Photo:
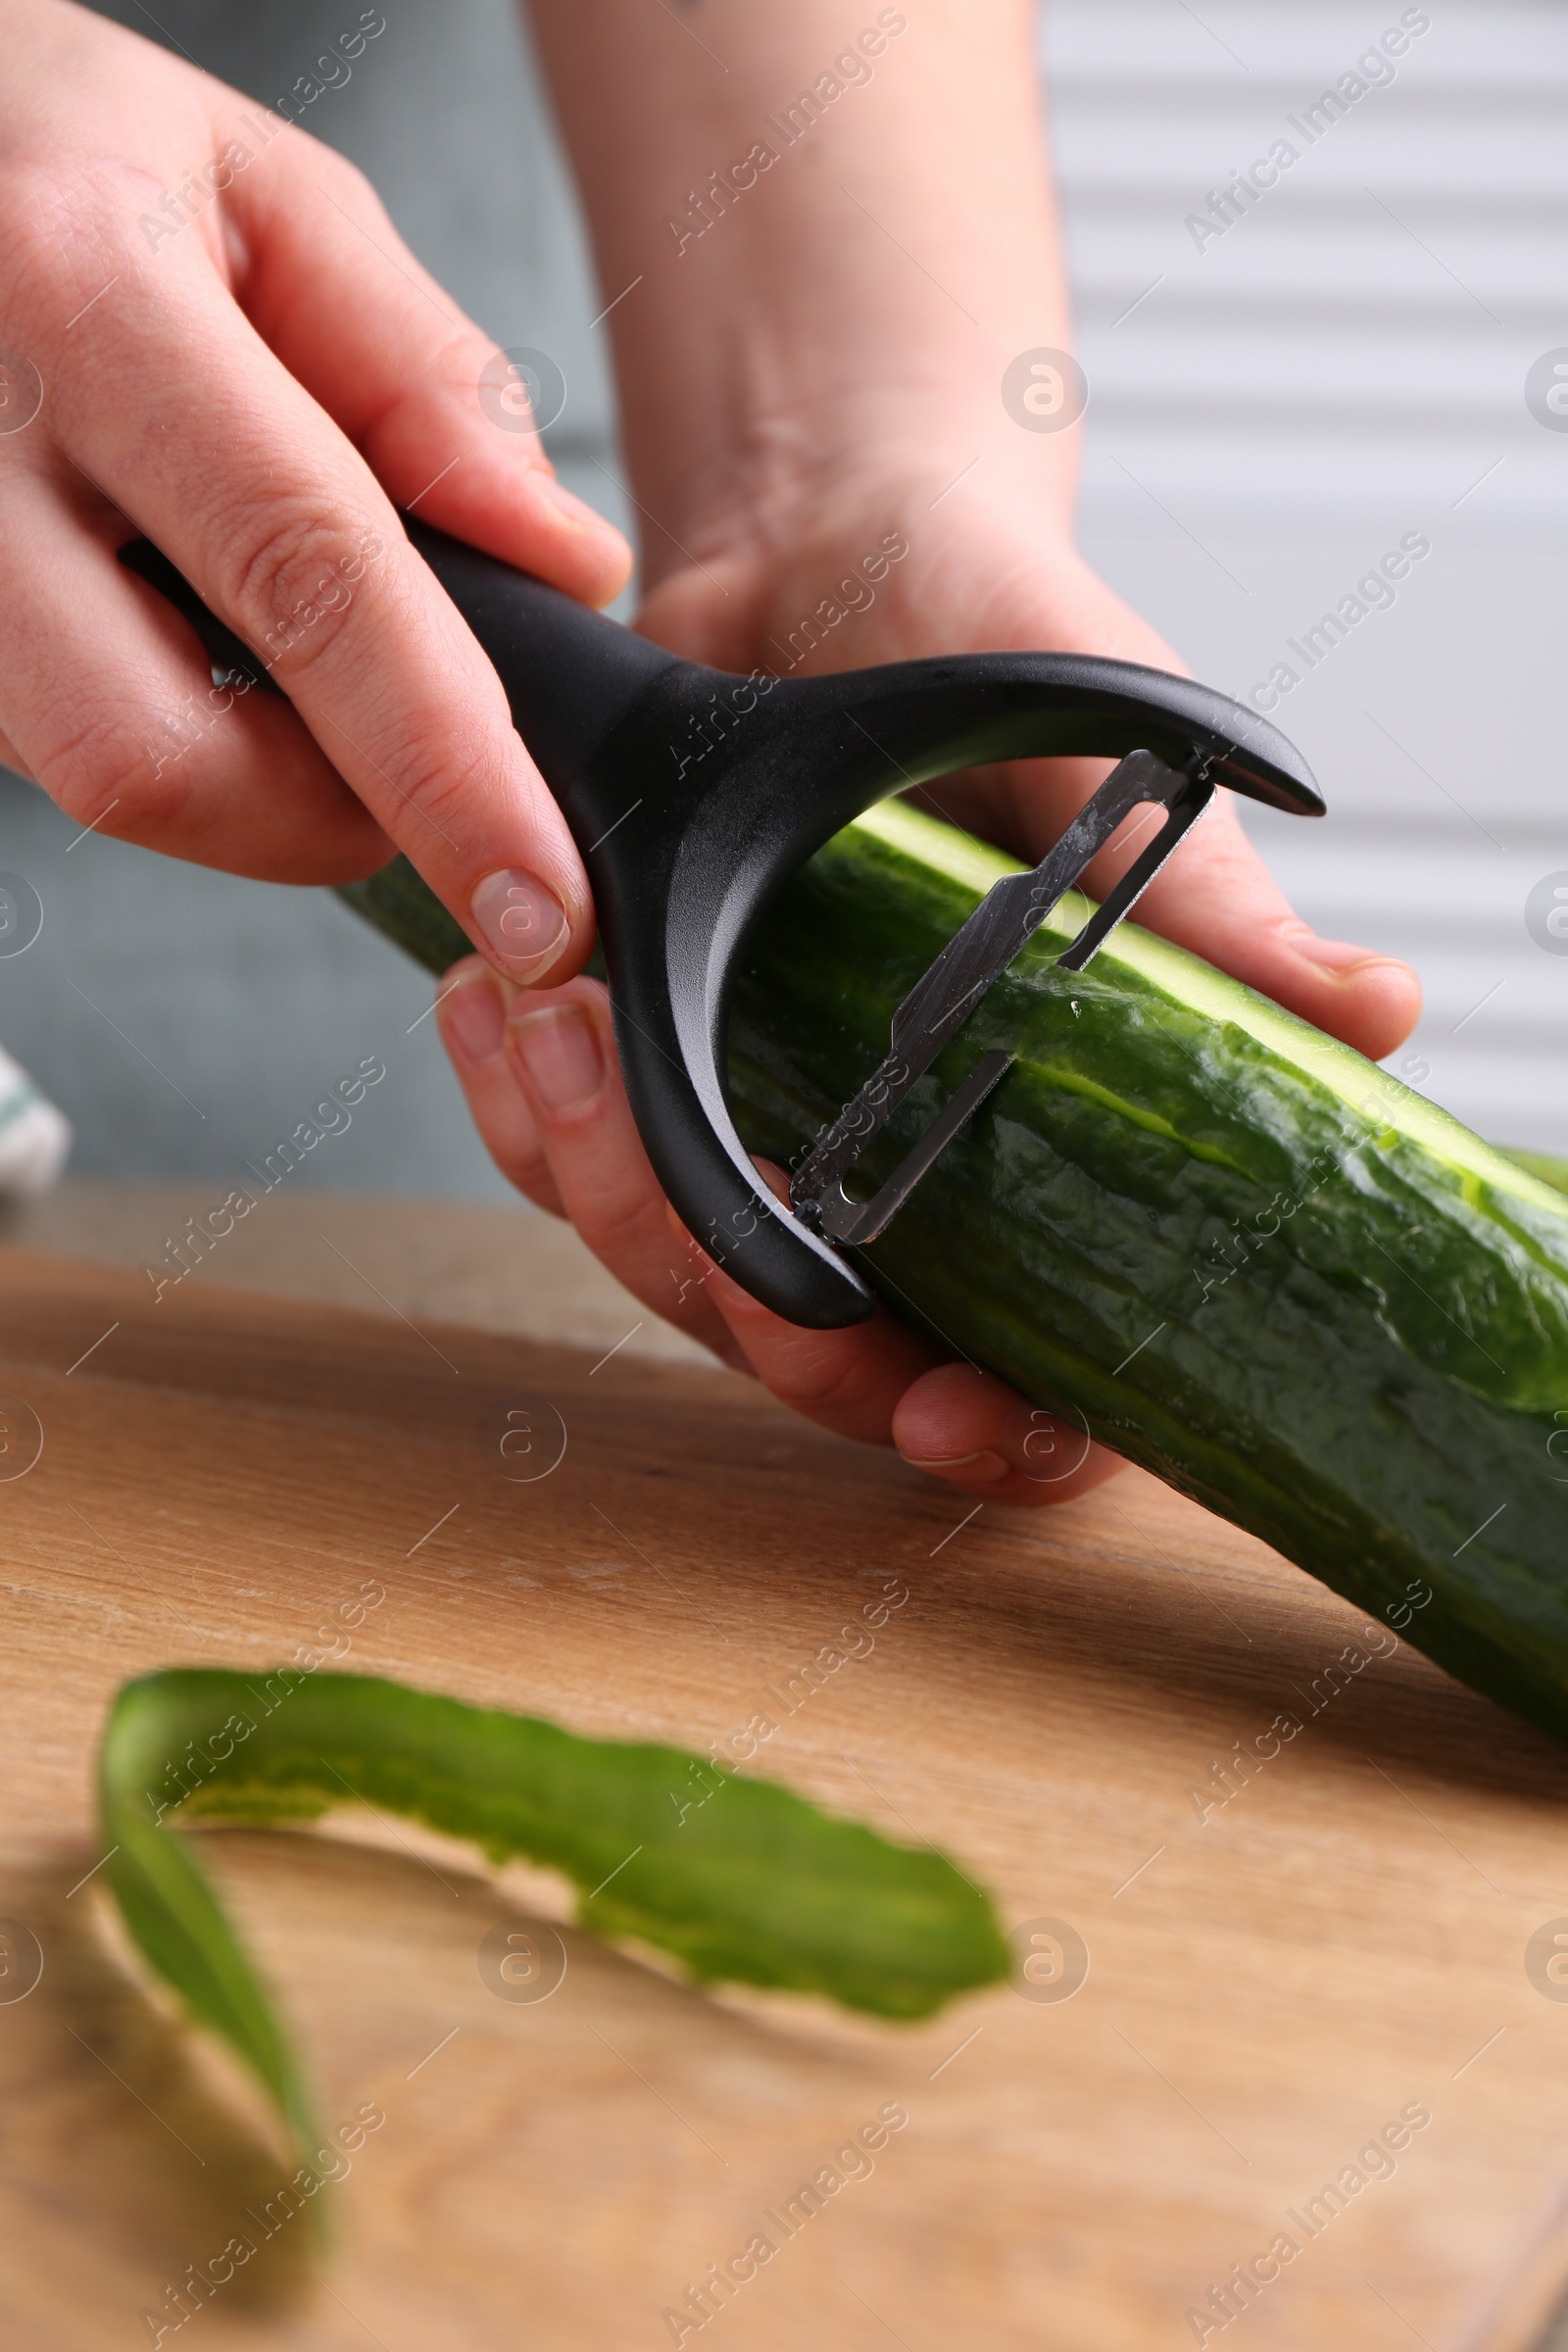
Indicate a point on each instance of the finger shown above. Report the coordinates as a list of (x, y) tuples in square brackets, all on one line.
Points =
[(970, 1428), (886, 1384), (414, 384), (1216, 895), (847, 1381), (561, 1047), (560, 1056), (471, 1011), (86, 644), (296, 545), (858, 1382), (1217, 898), (1213, 897), (850, 1380)]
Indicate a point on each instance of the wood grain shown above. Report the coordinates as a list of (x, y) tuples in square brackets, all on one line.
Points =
[(1267, 1988)]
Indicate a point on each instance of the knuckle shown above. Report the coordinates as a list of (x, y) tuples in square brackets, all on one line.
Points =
[(345, 180), (525, 1164), (293, 579), (116, 773), (54, 232), (449, 787), (817, 1377), (460, 359), (617, 1209), (48, 212)]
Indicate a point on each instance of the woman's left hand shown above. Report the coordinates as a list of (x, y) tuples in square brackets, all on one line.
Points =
[(538, 1065)]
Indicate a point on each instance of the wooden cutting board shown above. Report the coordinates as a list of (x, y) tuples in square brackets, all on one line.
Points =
[(1341, 1946)]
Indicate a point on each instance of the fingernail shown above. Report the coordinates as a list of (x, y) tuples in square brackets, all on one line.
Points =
[(575, 509), (559, 1055), (473, 1013), (523, 925), (979, 1469)]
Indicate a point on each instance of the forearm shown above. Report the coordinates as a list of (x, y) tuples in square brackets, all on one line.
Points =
[(813, 278)]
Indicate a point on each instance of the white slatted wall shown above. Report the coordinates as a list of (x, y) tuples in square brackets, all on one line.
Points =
[(1344, 364)]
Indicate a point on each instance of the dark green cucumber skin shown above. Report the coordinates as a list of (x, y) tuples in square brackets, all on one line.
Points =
[(1373, 1388), (401, 903)]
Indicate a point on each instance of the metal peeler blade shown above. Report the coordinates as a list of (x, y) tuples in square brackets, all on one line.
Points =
[(971, 963)]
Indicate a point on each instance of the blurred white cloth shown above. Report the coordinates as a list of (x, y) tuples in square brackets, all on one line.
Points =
[(35, 1138)]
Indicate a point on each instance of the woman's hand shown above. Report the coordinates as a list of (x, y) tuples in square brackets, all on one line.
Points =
[(866, 569), (829, 241), (538, 1065), (211, 333)]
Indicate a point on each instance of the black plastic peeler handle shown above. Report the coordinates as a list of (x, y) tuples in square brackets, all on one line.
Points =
[(693, 794)]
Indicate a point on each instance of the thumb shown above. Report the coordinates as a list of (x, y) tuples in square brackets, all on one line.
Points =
[(1218, 899)]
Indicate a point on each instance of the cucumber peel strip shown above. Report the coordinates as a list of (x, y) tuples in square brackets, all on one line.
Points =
[(739, 1878)]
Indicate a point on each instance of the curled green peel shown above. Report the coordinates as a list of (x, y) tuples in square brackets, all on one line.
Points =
[(739, 1878)]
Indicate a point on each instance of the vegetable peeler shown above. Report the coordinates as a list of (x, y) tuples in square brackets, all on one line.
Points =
[(695, 794)]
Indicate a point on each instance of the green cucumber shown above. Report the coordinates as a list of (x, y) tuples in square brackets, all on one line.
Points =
[(1540, 1163), (1243, 1255), (401, 903)]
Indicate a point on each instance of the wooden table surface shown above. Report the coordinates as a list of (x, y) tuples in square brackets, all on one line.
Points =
[(1341, 1944)]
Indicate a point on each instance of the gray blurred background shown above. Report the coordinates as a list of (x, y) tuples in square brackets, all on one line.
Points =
[(1268, 416)]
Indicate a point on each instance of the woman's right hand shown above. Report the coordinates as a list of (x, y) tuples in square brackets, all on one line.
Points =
[(210, 334)]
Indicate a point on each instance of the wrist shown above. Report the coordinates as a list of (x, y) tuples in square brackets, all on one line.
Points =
[(818, 262), (796, 352), (899, 442)]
